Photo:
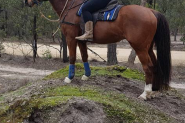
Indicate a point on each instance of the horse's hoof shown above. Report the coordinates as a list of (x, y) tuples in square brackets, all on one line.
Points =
[(85, 78), (142, 97), (155, 94), (67, 80)]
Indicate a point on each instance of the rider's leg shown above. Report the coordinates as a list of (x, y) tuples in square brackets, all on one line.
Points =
[(90, 7)]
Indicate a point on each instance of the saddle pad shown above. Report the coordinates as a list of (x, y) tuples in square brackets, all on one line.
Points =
[(110, 15)]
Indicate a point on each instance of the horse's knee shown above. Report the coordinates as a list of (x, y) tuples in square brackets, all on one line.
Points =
[(72, 59), (84, 57)]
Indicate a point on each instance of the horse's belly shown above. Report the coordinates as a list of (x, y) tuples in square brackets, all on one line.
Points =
[(107, 32)]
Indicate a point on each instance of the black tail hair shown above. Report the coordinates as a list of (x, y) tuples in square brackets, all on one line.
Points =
[(162, 42)]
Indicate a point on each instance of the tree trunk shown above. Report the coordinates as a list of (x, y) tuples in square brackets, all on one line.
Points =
[(132, 57), (183, 39), (0, 49), (34, 45), (65, 57), (6, 24), (143, 2), (111, 54), (175, 34), (154, 4)]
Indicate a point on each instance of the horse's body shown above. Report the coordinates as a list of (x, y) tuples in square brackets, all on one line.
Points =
[(142, 27)]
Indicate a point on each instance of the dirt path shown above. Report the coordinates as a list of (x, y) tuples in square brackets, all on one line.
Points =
[(122, 54), (13, 72), (14, 77)]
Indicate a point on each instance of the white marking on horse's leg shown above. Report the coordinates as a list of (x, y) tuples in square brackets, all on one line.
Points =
[(146, 94), (85, 78), (67, 80)]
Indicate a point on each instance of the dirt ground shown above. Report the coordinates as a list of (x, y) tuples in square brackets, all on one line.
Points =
[(17, 71)]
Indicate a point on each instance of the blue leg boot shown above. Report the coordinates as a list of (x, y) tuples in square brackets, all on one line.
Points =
[(71, 74), (87, 71)]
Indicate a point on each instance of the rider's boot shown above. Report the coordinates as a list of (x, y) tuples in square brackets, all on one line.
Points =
[(88, 35)]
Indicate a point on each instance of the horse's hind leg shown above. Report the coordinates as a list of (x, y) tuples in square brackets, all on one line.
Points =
[(148, 69), (154, 69), (84, 54)]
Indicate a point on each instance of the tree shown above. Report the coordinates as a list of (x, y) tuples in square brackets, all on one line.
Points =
[(34, 44), (111, 54)]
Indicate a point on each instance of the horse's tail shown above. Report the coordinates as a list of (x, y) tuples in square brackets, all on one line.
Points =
[(162, 42)]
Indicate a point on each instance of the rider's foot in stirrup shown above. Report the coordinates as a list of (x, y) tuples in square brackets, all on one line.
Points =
[(88, 35)]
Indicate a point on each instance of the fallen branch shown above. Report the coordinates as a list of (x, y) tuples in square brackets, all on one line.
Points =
[(96, 54)]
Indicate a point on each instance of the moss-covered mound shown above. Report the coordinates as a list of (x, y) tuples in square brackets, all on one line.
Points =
[(99, 71), (116, 106)]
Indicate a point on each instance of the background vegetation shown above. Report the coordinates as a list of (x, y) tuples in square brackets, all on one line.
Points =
[(16, 20)]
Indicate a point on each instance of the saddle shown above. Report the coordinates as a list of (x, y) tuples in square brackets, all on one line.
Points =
[(109, 13)]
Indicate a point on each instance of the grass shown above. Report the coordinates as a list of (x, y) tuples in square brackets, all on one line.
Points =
[(115, 105), (99, 71)]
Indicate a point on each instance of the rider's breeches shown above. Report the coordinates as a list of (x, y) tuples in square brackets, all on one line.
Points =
[(92, 6)]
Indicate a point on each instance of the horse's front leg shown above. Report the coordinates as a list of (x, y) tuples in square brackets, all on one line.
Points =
[(72, 44), (84, 54)]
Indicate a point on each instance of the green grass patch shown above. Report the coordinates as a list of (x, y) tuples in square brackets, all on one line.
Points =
[(99, 71), (115, 105), (1, 98)]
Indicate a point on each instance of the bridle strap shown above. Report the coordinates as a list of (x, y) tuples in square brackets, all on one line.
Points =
[(71, 7), (63, 20)]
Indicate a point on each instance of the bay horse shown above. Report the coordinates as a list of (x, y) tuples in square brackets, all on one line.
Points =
[(142, 27)]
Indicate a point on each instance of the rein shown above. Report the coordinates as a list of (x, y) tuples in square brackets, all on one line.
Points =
[(58, 20)]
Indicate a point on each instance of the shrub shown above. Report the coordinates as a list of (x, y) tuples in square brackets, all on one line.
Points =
[(47, 54)]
